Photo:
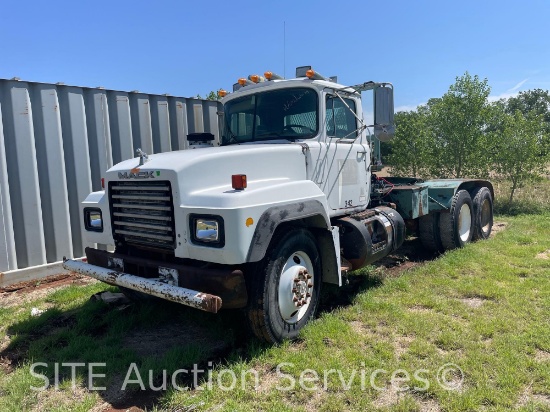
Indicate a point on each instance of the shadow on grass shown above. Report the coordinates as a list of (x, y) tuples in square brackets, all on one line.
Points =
[(410, 254), (155, 336)]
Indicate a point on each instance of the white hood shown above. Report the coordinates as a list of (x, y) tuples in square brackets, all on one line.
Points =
[(208, 170)]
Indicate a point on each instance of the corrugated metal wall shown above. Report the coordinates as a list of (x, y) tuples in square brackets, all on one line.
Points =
[(55, 143)]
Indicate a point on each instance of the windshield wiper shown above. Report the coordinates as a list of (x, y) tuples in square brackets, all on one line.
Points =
[(275, 135), (232, 138), (268, 134)]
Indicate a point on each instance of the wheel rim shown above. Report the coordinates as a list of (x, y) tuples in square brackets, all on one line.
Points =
[(464, 222), (486, 216), (295, 287)]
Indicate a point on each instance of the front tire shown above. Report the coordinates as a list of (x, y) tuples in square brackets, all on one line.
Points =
[(284, 294), (456, 226)]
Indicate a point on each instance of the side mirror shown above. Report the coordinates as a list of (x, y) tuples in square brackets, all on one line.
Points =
[(384, 127)]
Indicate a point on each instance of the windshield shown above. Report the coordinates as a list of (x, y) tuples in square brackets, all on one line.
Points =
[(279, 114)]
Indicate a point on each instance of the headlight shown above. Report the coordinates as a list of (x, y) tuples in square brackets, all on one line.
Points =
[(93, 220), (207, 230)]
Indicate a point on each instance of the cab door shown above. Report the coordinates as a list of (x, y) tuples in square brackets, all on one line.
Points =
[(342, 165)]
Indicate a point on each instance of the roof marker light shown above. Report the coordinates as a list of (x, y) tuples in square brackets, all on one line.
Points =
[(255, 78), (272, 76), (307, 71), (238, 182)]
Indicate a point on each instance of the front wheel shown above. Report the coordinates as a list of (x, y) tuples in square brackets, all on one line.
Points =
[(285, 292)]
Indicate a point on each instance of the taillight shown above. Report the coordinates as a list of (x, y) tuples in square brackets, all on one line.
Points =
[(238, 182)]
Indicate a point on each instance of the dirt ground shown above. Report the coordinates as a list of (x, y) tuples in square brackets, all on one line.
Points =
[(23, 292)]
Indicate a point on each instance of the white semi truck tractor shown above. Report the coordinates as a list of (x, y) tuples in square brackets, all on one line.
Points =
[(286, 202)]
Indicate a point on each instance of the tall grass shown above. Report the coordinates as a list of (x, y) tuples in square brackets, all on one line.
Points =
[(533, 197)]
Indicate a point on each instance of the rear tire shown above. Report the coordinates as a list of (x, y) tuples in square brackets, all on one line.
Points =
[(483, 212), (456, 226), (284, 293), (429, 232)]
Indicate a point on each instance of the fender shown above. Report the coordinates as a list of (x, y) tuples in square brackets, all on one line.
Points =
[(312, 210)]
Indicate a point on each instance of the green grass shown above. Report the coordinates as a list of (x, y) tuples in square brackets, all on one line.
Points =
[(485, 308)]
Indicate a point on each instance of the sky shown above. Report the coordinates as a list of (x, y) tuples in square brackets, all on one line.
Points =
[(186, 48)]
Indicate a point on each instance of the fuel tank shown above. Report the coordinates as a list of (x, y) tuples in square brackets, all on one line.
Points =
[(370, 235)]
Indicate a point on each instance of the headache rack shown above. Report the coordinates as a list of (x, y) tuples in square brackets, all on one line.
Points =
[(142, 213)]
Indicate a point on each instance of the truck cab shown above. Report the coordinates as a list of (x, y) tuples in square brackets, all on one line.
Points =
[(286, 202), (323, 117)]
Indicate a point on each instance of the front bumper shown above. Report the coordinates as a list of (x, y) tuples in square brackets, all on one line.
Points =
[(202, 288)]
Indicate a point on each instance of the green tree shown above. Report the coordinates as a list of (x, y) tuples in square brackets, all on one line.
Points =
[(410, 147), (213, 95), (520, 155), (537, 102), (459, 121)]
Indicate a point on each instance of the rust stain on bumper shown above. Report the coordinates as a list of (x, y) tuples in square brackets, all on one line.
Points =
[(184, 296)]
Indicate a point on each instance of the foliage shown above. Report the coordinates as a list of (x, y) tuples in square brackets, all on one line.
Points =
[(462, 134), (213, 95), (410, 148), (386, 150), (536, 101), (519, 156), (458, 120), (532, 197)]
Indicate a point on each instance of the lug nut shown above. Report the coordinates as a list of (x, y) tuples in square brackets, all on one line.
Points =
[(294, 290), (310, 285), (308, 295), (296, 280), (308, 276)]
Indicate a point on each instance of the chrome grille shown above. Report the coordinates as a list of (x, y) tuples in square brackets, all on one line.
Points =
[(142, 213)]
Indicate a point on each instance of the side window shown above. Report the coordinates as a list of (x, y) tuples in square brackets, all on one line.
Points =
[(340, 121)]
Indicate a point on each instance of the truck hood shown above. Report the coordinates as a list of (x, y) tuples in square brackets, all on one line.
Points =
[(196, 171)]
